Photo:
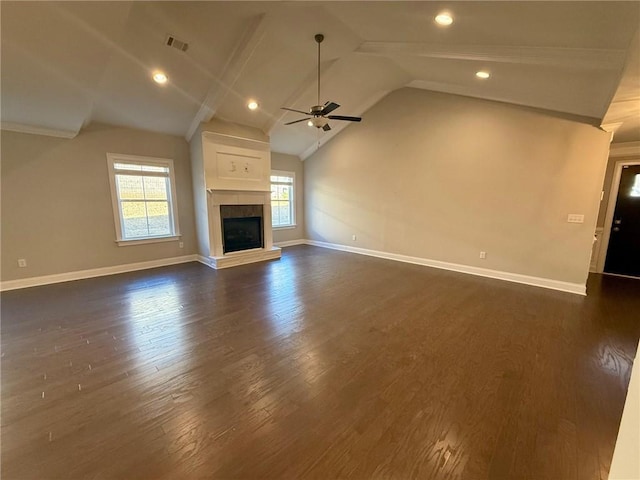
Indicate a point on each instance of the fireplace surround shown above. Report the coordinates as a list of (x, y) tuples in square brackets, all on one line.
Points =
[(250, 245), (233, 210)]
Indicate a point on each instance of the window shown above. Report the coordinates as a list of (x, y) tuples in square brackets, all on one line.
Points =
[(635, 189), (144, 199), (282, 199)]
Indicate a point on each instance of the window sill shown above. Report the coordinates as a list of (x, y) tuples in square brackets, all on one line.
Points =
[(142, 241), (285, 227)]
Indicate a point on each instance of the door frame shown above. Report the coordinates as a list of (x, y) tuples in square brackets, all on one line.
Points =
[(611, 207)]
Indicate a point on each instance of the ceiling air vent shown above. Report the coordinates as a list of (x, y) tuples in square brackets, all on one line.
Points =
[(175, 43)]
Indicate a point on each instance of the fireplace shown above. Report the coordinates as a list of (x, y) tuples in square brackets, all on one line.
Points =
[(239, 228), (242, 227)]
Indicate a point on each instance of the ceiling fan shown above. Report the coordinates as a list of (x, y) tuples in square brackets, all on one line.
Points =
[(320, 113)]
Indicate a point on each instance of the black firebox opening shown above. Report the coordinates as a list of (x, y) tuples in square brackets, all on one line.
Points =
[(241, 233)]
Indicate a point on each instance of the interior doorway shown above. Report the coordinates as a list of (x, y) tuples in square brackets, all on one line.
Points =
[(621, 235)]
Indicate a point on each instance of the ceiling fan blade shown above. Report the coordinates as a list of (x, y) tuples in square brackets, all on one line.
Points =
[(294, 110), (296, 121), (326, 127), (329, 107), (348, 119)]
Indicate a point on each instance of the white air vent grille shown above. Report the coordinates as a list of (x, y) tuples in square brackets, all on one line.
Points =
[(175, 43)]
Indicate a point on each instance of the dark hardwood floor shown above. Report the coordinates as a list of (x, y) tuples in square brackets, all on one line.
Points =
[(321, 365)]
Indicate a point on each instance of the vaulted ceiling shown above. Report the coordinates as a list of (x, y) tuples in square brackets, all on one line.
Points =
[(67, 64)]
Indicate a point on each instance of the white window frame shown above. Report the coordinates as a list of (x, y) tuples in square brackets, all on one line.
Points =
[(292, 175), (113, 158)]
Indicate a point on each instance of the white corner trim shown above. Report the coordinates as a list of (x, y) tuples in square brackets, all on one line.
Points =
[(94, 272), (625, 463), (291, 243), (32, 130), (455, 267), (203, 260), (624, 149)]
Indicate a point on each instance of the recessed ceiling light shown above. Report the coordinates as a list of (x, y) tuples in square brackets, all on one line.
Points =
[(444, 18), (310, 123), (483, 74), (252, 105), (160, 77)]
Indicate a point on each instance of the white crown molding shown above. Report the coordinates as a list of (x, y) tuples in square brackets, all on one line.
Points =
[(481, 272), (217, 137), (627, 149), (588, 58), (236, 63), (94, 272), (611, 127), (32, 130)]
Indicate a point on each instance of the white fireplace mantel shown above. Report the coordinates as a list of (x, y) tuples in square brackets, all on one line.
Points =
[(218, 258)]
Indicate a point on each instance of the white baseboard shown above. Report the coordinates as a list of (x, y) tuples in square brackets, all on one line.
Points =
[(94, 272), (481, 272), (130, 267), (291, 243)]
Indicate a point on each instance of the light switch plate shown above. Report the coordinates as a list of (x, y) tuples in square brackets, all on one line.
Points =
[(575, 218)]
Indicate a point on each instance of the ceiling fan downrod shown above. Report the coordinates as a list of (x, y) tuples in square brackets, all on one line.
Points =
[(320, 113), (319, 38)]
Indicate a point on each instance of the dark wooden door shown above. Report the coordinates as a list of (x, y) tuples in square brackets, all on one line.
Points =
[(623, 254)]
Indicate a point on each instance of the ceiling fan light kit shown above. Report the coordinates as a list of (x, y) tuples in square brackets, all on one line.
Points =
[(320, 113)]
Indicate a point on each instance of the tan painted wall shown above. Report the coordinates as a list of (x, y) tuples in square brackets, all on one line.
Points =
[(291, 163), (443, 177), (56, 202)]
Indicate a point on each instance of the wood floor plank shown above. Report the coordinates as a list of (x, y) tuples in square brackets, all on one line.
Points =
[(321, 365)]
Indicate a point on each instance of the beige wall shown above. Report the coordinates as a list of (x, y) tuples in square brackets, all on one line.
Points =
[(291, 163), (443, 177), (56, 201)]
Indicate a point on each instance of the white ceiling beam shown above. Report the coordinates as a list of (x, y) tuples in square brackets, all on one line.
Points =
[(236, 63), (587, 58)]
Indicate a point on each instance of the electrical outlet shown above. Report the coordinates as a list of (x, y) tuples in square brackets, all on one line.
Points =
[(22, 263), (483, 255), (181, 244), (354, 238)]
